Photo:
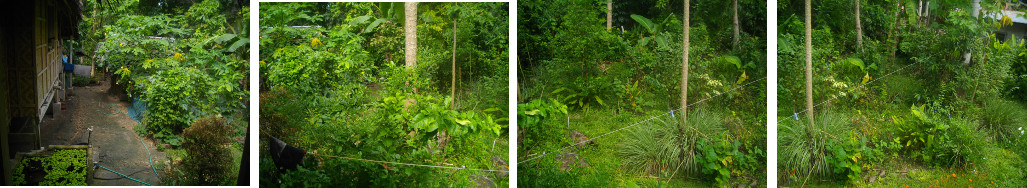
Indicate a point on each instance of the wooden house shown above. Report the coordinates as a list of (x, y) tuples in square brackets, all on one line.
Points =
[(31, 35)]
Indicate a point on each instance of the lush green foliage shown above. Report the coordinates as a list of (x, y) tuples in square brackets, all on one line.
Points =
[(185, 64), (629, 73), (945, 101), (337, 86), (184, 60), (64, 167)]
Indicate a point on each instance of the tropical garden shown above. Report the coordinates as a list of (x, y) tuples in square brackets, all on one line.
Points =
[(602, 102), (900, 93), (183, 64), (384, 94)]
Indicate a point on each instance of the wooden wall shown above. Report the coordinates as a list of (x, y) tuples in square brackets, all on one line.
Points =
[(37, 61)]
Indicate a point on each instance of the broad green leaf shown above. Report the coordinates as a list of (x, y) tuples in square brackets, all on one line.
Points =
[(646, 23), (359, 20), (224, 38), (370, 27), (239, 43)]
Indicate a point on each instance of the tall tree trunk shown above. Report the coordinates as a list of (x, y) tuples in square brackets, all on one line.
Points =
[(684, 78), (809, 65), (452, 85), (734, 42), (609, 14), (410, 25), (859, 29)]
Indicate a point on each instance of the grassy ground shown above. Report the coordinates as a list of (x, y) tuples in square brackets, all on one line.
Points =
[(601, 163), (901, 168)]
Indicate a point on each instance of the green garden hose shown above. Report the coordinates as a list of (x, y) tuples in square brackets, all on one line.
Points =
[(110, 107), (150, 158), (105, 168)]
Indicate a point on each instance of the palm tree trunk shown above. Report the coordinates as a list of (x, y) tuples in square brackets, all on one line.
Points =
[(410, 25), (734, 43), (809, 65), (859, 29), (684, 78), (609, 15)]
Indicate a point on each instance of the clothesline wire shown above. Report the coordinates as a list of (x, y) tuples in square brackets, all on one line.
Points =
[(796, 115)]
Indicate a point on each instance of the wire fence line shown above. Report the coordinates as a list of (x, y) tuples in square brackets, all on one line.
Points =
[(409, 164), (796, 115), (643, 121)]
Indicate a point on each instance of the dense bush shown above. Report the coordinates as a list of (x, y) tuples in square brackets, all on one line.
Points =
[(183, 66), (939, 139), (337, 86), (209, 161), (531, 118)]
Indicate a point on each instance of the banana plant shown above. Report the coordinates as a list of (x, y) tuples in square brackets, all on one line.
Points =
[(654, 30), (862, 67), (739, 66)]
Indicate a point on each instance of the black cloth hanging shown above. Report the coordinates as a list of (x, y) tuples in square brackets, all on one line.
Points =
[(285, 156)]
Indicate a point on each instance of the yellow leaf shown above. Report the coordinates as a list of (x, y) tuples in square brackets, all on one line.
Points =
[(742, 78), (866, 78)]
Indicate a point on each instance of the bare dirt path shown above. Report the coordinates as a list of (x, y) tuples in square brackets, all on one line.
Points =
[(114, 140)]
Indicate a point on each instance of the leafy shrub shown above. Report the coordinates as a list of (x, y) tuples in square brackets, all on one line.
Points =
[(843, 159), (531, 118), (939, 141), (716, 157), (209, 161), (173, 102), (304, 177)]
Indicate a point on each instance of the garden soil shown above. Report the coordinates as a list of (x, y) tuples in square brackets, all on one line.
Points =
[(115, 143)]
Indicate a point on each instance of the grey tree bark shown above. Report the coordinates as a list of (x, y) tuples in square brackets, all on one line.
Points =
[(809, 65), (609, 15), (737, 35), (410, 25), (684, 71), (859, 29)]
